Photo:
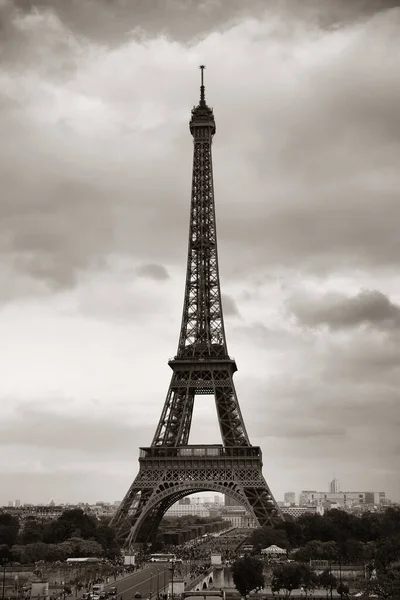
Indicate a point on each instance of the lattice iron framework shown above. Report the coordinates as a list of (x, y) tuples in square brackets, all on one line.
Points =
[(171, 469)]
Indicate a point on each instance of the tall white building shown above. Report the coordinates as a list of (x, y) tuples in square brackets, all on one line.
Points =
[(334, 486), (289, 498)]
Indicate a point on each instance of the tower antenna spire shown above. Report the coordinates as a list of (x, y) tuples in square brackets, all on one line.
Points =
[(202, 93)]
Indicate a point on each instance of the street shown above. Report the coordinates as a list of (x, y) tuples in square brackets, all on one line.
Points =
[(147, 581)]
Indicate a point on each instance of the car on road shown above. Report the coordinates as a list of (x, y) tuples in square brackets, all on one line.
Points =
[(103, 595), (137, 595), (112, 591)]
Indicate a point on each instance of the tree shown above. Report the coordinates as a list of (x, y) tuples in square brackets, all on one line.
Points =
[(313, 550), (354, 551), (369, 551), (5, 554), (266, 536), (247, 573), (105, 536), (79, 548), (9, 527), (309, 579), (327, 581), (31, 553), (330, 551), (343, 590), (288, 577), (386, 585), (387, 551), (32, 532), (79, 523)]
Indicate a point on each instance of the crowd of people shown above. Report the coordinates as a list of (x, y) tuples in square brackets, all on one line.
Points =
[(200, 550)]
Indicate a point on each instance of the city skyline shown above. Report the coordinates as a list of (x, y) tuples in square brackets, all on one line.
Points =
[(96, 162), (202, 495)]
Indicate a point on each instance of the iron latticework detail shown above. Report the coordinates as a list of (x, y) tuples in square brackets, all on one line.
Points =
[(171, 469)]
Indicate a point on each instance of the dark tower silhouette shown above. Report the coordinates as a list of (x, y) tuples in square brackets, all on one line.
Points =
[(170, 468)]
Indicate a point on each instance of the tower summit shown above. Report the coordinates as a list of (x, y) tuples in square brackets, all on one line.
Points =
[(202, 114), (170, 468)]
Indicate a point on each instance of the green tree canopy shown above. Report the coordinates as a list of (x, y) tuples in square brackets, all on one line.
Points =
[(309, 579), (287, 577), (9, 527), (387, 583), (72, 523), (343, 590), (387, 551), (247, 573), (5, 554), (327, 580), (266, 536), (32, 531)]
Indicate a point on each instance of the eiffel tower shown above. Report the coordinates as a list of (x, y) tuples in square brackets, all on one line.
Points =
[(170, 468)]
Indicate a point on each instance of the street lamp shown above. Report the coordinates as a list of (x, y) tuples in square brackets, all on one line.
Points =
[(158, 584), (151, 580), (172, 569), (3, 564)]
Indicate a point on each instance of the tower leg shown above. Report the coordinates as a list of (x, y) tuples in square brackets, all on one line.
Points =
[(231, 476)]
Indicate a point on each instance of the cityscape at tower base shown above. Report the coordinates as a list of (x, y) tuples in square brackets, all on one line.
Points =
[(168, 474)]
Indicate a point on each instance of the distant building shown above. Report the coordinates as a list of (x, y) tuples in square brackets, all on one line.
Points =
[(17, 503), (239, 518), (334, 486), (102, 509), (289, 498), (185, 501), (181, 510), (197, 500), (341, 499), (298, 511), (39, 512), (229, 501)]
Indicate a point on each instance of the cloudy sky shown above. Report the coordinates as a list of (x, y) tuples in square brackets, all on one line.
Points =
[(95, 172)]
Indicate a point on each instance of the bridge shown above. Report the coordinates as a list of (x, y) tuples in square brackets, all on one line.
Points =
[(205, 594), (214, 578)]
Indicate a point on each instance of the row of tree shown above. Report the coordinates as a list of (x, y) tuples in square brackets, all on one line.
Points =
[(74, 534), (248, 576), (336, 535)]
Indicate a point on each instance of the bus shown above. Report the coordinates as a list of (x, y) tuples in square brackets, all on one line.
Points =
[(162, 557)]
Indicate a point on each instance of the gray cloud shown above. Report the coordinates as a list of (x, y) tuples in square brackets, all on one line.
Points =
[(184, 19), (229, 306), (61, 486), (35, 428), (152, 271), (337, 311), (88, 141)]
